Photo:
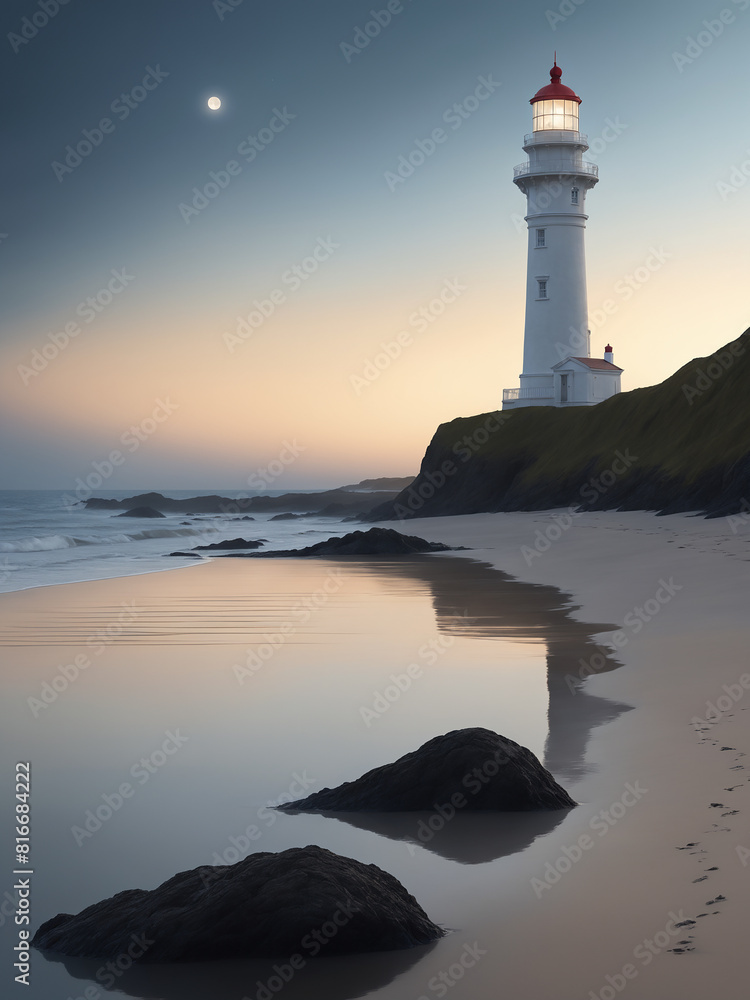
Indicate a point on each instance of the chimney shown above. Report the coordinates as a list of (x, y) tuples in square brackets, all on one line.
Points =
[(608, 355)]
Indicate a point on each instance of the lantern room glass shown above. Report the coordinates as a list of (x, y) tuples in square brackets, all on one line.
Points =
[(555, 115)]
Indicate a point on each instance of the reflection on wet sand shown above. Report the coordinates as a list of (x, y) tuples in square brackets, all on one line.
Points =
[(469, 600), (473, 599), (342, 977), (471, 838)]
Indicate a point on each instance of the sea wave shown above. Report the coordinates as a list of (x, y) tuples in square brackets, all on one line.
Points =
[(48, 543)]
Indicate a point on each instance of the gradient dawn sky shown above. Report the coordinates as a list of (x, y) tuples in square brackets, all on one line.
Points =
[(312, 222)]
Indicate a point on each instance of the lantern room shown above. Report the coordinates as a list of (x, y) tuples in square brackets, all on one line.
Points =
[(555, 106)]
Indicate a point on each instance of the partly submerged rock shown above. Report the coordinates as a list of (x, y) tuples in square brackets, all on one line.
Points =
[(375, 542), (231, 543), (288, 516), (299, 902), (141, 512), (467, 769)]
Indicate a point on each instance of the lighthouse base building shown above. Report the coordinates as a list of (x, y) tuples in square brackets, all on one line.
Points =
[(558, 369)]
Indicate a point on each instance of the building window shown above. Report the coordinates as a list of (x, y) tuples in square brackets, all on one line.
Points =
[(542, 282), (541, 237), (574, 196)]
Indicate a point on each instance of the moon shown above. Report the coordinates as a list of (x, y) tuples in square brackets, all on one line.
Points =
[(214, 103)]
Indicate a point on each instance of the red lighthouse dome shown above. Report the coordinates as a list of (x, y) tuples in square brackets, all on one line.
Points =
[(555, 90), (555, 106)]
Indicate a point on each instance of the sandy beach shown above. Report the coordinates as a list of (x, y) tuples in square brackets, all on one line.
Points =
[(607, 684)]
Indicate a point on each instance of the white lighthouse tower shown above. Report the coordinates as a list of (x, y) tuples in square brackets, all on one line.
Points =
[(557, 367)]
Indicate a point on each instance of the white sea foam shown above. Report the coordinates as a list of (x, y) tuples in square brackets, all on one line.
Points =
[(47, 543)]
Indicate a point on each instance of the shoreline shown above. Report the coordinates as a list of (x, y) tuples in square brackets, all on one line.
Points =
[(672, 828)]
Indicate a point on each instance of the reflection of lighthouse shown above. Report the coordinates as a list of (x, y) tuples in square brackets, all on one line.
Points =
[(557, 367)]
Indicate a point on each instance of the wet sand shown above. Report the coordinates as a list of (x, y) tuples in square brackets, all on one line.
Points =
[(270, 671)]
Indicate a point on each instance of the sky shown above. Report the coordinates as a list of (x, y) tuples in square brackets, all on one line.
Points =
[(190, 297)]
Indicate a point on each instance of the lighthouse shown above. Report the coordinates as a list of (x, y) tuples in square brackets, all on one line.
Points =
[(558, 369)]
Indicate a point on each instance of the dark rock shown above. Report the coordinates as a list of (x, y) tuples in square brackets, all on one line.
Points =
[(375, 542), (487, 770), (230, 543), (384, 483), (286, 517), (141, 512), (245, 518), (346, 499), (266, 904)]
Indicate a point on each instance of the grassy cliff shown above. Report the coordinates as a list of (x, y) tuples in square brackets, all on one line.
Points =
[(681, 445)]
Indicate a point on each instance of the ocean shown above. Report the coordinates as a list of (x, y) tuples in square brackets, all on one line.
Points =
[(45, 540)]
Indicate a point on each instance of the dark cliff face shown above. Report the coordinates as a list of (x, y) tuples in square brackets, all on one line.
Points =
[(682, 445)]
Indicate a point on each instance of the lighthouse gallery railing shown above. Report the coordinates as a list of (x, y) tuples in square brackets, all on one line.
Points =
[(565, 169)]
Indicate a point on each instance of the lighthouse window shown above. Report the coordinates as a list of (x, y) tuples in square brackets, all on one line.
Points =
[(542, 288), (556, 114), (574, 196), (541, 237)]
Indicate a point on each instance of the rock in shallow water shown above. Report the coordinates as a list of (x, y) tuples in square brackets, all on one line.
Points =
[(302, 901), (375, 542), (141, 512), (467, 769), (231, 543)]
